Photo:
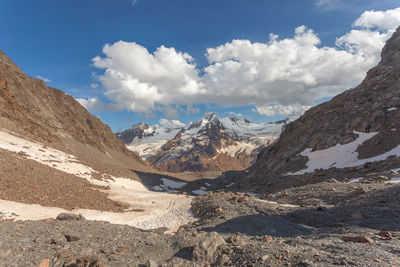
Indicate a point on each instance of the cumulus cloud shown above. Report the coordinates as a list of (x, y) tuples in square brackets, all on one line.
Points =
[(280, 76), (96, 104), (46, 80), (330, 4), (171, 123), (139, 81), (290, 110), (236, 114), (382, 20)]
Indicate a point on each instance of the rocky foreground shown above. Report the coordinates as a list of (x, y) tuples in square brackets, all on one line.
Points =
[(326, 224)]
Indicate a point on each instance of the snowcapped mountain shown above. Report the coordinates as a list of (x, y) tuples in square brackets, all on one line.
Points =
[(147, 139), (210, 144)]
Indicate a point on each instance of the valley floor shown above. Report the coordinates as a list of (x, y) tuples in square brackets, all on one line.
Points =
[(162, 222), (362, 228)]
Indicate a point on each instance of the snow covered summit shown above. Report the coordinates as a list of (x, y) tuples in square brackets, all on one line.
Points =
[(211, 143)]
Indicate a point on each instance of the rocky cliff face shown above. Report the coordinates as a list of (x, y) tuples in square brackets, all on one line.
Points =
[(371, 107), (28, 106)]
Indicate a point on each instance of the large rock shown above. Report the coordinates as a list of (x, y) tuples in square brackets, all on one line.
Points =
[(69, 217), (207, 246)]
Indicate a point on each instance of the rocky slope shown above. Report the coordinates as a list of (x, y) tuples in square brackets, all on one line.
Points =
[(28, 106), (358, 126), (210, 144), (327, 224)]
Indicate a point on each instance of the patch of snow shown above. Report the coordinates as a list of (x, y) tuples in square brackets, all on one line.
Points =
[(355, 179), (201, 191), (172, 184), (150, 145), (45, 155), (229, 185), (169, 186), (306, 226), (394, 180), (159, 209), (238, 148), (341, 156), (276, 203)]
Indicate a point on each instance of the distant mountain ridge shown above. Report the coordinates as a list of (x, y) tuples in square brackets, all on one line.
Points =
[(209, 144)]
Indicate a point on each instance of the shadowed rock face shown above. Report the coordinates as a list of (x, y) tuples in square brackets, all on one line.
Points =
[(373, 106), (30, 107)]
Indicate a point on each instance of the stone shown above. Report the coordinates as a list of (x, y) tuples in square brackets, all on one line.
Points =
[(265, 257), (45, 263), (357, 239), (357, 216), (151, 263), (69, 217), (382, 177), (243, 200), (359, 191), (71, 238), (232, 239), (385, 234), (267, 238), (205, 248)]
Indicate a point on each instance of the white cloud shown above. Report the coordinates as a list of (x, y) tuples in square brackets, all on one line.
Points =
[(134, 2), (236, 114), (96, 104), (139, 81), (94, 85), (330, 4), (279, 77), (171, 123), (383, 20), (46, 80), (290, 110)]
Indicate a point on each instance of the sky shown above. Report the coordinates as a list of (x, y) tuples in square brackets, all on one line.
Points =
[(171, 61)]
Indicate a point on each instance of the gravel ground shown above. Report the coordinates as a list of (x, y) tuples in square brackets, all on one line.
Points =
[(49, 187), (233, 229)]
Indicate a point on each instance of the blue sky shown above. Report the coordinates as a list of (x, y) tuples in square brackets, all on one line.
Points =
[(57, 40)]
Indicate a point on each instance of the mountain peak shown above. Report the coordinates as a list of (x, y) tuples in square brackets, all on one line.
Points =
[(210, 116), (391, 52)]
